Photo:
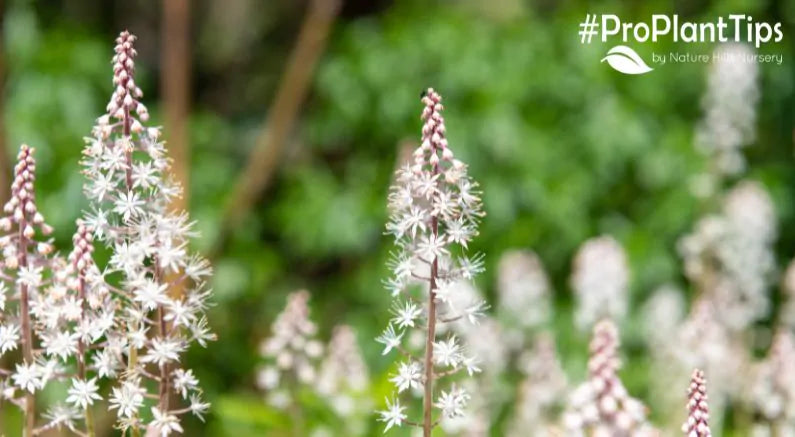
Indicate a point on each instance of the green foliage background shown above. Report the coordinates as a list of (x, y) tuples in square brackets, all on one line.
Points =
[(564, 147)]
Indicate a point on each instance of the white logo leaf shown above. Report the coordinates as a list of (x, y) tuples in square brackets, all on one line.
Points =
[(625, 60)]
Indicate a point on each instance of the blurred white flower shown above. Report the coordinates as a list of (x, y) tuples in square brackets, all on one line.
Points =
[(184, 381), (524, 293), (771, 388), (730, 255), (28, 377), (343, 381), (164, 423), (541, 393), (408, 376), (291, 350), (128, 398), (390, 339), (729, 121), (393, 414), (83, 393), (452, 402), (662, 314), (9, 337), (600, 279), (448, 352)]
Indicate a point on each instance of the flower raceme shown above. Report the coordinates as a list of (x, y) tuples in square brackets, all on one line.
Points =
[(435, 209), (27, 267), (128, 184), (601, 406), (292, 351), (297, 364), (697, 424)]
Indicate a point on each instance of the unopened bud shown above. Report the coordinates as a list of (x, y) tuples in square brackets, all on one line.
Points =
[(44, 248), (12, 262), (136, 126)]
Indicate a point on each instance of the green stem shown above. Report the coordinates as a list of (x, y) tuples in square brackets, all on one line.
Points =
[(90, 423)]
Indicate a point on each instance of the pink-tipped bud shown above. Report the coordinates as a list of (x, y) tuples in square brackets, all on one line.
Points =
[(697, 424)]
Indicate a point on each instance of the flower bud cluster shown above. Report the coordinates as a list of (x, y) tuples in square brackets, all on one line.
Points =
[(697, 424)]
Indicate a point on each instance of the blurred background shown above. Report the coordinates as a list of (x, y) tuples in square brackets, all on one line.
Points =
[(286, 119)]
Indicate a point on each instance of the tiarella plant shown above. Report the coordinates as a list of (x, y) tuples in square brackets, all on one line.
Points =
[(601, 406), (434, 213), (343, 381), (161, 286), (297, 367), (27, 269), (291, 352)]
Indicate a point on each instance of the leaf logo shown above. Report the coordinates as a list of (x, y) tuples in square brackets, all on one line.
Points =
[(625, 60)]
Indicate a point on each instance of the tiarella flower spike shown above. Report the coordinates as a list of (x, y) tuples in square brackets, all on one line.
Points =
[(163, 287), (21, 208), (697, 424), (27, 270), (434, 213), (601, 406), (292, 351)]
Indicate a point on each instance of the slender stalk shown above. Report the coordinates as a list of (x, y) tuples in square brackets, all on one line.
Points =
[(163, 383), (81, 357), (132, 354), (164, 379), (27, 334), (427, 404), (132, 361), (427, 420)]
